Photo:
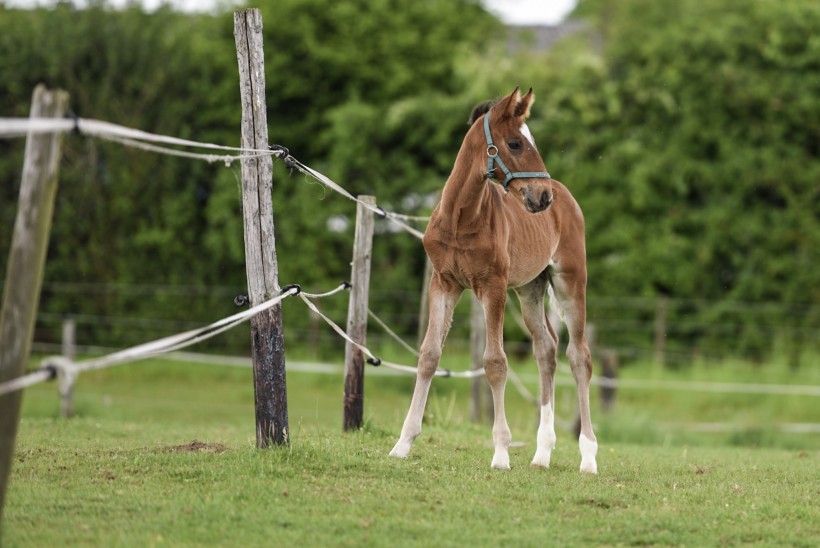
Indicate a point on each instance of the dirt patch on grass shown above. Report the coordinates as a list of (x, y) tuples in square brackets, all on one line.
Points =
[(197, 446)]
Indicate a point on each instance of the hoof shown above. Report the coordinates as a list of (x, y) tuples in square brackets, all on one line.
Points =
[(589, 467), (589, 448), (501, 461), (400, 450), (541, 459)]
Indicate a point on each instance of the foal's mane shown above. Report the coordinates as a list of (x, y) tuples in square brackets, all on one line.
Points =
[(480, 109)]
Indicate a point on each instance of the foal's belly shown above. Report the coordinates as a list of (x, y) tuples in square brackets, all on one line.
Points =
[(470, 263), (531, 247), (525, 269), (510, 246)]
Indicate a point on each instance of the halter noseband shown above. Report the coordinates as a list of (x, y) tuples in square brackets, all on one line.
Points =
[(492, 157)]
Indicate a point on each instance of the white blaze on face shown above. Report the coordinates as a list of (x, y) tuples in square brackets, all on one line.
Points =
[(526, 131)]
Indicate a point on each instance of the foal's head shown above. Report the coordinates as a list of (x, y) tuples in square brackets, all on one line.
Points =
[(513, 158)]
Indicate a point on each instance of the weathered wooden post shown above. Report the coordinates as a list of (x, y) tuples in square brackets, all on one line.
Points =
[(24, 272), (481, 401), (357, 316), (267, 336)]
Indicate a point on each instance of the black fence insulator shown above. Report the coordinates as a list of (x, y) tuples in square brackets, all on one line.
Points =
[(52, 371), (375, 362), (241, 300), (72, 116), (346, 285), (288, 287), (279, 151)]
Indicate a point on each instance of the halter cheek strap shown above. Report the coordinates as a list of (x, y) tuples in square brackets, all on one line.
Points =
[(493, 158)]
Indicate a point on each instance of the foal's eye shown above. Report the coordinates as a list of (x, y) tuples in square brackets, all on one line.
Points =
[(514, 145)]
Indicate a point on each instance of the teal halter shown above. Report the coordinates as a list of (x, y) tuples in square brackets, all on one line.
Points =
[(492, 157)]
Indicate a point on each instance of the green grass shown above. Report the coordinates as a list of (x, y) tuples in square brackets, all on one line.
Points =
[(125, 471)]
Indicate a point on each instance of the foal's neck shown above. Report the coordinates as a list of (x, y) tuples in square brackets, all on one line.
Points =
[(465, 198)]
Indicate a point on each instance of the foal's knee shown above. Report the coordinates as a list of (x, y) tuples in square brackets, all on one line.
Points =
[(495, 367), (428, 362), (580, 360)]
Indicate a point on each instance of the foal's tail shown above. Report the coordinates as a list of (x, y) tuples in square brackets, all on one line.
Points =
[(555, 304), (555, 313)]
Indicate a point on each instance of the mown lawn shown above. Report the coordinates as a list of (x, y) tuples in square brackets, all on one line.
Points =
[(162, 453)]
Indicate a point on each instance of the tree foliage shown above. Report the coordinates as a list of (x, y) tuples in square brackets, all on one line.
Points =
[(702, 137), (129, 217), (688, 132)]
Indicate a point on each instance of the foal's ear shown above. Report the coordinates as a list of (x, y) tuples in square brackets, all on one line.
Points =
[(522, 109), (509, 104)]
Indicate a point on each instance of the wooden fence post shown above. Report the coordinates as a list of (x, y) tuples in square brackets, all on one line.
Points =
[(69, 339), (424, 312), (660, 331), (357, 316), (267, 336), (609, 373), (68, 380), (481, 401), (24, 271)]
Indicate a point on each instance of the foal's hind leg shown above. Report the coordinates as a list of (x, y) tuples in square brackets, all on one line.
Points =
[(443, 299), (569, 284), (544, 346)]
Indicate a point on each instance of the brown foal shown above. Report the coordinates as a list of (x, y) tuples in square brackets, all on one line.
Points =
[(527, 235)]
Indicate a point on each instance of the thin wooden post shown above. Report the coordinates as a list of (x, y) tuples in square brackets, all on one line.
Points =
[(660, 331), (69, 338), (608, 360), (24, 272), (267, 335), (481, 401), (609, 373), (67, 381), (357, 316), (424, 312)]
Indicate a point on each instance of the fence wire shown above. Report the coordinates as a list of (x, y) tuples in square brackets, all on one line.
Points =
[(21, 127)]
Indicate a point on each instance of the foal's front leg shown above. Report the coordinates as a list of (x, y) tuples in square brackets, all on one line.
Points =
[(495, 367), (443, 299)]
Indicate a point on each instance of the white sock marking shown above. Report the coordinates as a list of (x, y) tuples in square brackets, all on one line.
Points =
[(402, 449), (546, 437), (501, 459), (588, 449)]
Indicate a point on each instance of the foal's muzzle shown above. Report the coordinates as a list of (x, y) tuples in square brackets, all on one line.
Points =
[(537, 201)]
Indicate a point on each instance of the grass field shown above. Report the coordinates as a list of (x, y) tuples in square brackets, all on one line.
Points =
[(162, 453)]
